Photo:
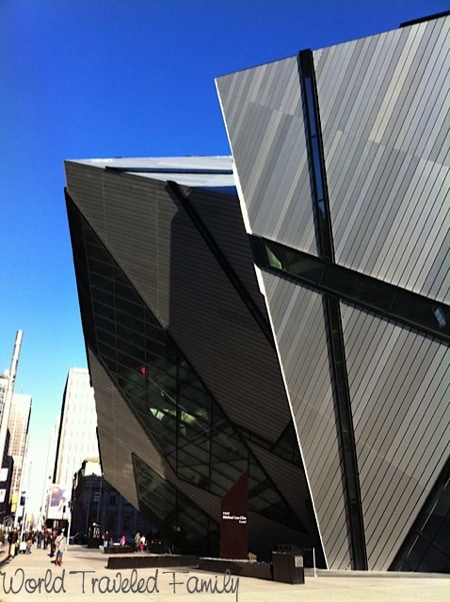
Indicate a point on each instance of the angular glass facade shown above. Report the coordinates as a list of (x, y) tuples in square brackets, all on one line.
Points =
[(185, 527), (172, 404), (301, 331)]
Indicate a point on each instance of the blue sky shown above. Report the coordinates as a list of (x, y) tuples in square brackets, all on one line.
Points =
[(103, 78)]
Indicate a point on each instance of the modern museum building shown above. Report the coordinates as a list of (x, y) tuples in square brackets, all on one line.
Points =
[(284, 312)]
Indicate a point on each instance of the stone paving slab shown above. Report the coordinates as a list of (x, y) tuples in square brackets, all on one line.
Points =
[(84, 576)]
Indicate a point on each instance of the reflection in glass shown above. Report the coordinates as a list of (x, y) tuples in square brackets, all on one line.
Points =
[(174, 407), (384, 298)]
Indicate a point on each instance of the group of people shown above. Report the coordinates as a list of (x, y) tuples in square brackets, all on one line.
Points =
[(140, 541), (18, 543), (22, 543)]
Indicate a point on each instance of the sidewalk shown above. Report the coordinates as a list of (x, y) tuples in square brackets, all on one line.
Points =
[(84, 576)]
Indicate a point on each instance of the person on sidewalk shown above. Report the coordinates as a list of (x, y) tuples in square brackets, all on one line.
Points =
[(28, 543), (12, 540), (60, 547), (137, 541)]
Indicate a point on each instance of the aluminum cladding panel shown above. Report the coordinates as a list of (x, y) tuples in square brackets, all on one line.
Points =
[(298, 322), (399, 383), (384, 109), (262, 109)]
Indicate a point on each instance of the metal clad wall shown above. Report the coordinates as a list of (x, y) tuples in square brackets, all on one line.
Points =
[(298, 322), (263, 113), (170, 265), (209, 322), (215, 330), (399, 384), (289, 479), (138, 217), (384, 107), (223, 218), (85, 186), (132, 217)]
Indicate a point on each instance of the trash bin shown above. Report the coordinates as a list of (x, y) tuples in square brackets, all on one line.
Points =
[(287, 562)]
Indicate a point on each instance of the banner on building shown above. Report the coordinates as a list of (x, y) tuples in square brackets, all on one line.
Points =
[(57, 507)]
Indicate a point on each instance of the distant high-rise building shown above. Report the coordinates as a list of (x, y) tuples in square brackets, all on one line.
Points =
[(4, 385), (7, 382), (77, 436), (49, 468), (18, 423)]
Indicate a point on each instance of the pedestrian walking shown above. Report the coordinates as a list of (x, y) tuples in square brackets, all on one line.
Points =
[(60, 547)]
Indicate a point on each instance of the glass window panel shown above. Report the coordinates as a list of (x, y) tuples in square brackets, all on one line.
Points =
[(108, 354), (130, 354), (223, 475), (318, 176), (193, 455), (287, 446), (107, 311), (103, 297), (435, 561), (427, 546), (226, 447), (101, 280), (311, 105), (190, 529), (155, 336), (132, 323), (129, 308), (431, 524), (126, 293), (106, 337), (103, 269), (104, 323), (389, 300)]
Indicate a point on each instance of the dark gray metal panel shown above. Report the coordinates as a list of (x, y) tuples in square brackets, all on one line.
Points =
[(400, 389), (132, 216), (289, 479), (298, 323), (384, 112), (163, 255), (138, 217), (223, 218), (262, 108), (85, 186), (216, 331), (170, 265)]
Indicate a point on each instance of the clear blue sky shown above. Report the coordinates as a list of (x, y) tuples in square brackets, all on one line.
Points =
[(102, 78)]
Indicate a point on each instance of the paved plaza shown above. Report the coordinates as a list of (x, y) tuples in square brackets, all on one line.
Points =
[(84, 576)]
